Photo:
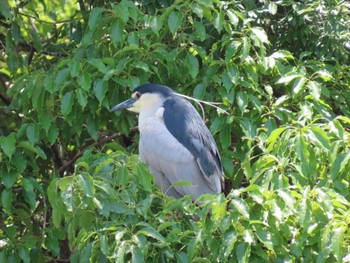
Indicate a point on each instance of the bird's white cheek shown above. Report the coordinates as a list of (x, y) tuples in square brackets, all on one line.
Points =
[(135, 107)]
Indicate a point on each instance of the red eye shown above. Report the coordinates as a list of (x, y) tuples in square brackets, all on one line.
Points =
[(138, 95)]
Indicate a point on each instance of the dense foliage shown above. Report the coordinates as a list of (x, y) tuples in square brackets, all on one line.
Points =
[(71, 183)]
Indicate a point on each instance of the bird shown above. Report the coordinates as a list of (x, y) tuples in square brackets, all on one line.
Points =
[(175, 144)]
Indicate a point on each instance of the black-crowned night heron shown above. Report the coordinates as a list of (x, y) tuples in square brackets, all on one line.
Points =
[(174, 142)]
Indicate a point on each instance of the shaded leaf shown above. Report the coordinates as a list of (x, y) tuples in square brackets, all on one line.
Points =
[(174, 21), (8, 144), (66, 104)]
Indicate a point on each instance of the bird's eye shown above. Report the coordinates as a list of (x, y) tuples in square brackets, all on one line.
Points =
[(138, 95)]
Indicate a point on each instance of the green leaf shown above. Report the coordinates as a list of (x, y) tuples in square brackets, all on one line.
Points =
[(301, 149), (265, 238), (87, 184), (229, 240), (283, 54), (288, 78), (304, 210), (156, 24), (81, 97), (98, 63), (272, 8), (315, 89), (84, 81), (231, 50), (233, 73), (36, 39), (104, 245), (219, 19), (119, 208), (260, 34), (344, 162), (8, 178), (141, 65), (122, 10), (192, 65), (8, 144), (225, 135), (52, 244), (5, 9), (34, 149), (32, 132), (136, 255), (197, 9), (174, 21), (241, 206), (242, 253), (92, 127), (200, 30), (24, 254), (100, 89), (324, 75), (232, 17), (144, 178), (74, 68), (133, 82), (150, 232), (246, 48), (321, 137), (6, 199), (94, 17), (117, 32), (19, 161), (199, 91), (45, 121), (67, 102), (29, 193), (298, 84), (288, 199), (242, 101), (52, 192), (49, 83), (52, 134), (60, 79), (337, 242)]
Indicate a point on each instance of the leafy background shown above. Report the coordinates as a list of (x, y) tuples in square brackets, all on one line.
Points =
[(72, 186)]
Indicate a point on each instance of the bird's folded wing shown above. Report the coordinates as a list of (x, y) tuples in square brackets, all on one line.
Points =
[(185, 124)]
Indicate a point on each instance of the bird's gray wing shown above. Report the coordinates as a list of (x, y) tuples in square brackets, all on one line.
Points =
[(186, 125), (170, 162)]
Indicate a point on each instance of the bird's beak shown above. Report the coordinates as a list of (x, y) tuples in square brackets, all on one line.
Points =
[(124, 105)]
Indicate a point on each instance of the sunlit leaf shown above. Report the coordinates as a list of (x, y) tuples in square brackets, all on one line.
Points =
[(314, 89), (218, 21), (260, 34), (242, 207)]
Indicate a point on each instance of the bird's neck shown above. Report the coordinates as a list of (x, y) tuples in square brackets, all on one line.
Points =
[(147, 115)]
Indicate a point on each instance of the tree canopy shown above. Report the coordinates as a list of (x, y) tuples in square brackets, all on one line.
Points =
[(72, 186)]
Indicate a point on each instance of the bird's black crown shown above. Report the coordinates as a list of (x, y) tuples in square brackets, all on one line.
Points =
[(154, 88)]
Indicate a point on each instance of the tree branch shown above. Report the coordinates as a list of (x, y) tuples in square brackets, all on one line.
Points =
[(81, 152)]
